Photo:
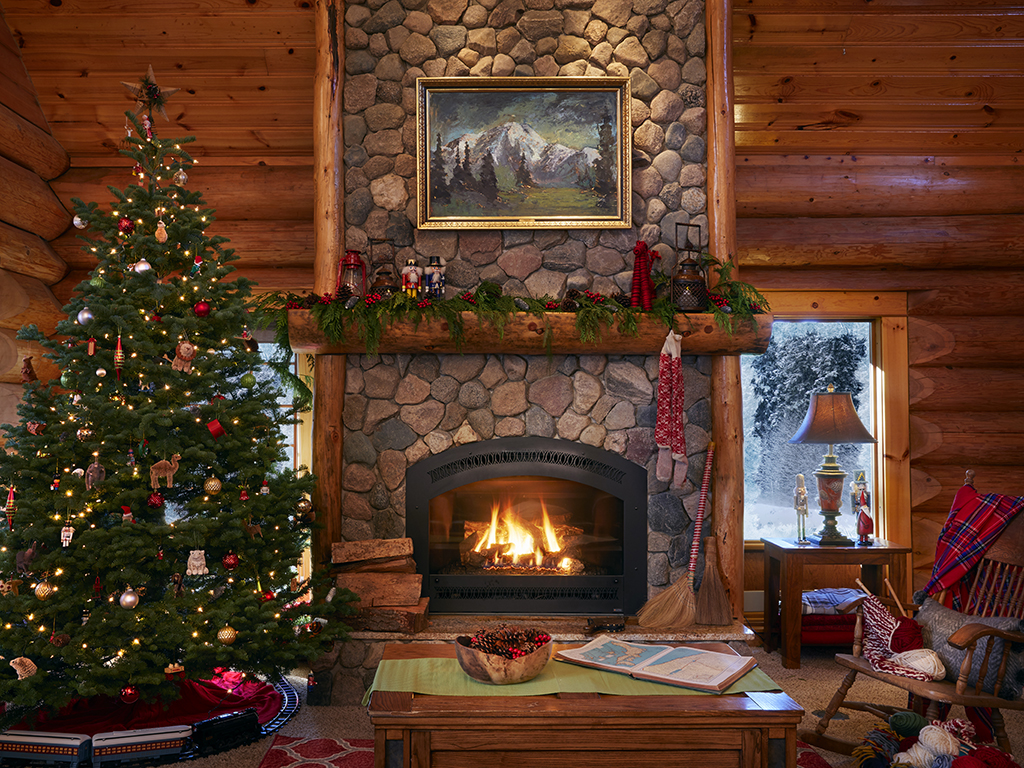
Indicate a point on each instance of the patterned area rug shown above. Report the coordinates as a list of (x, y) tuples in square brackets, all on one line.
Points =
[(295, 752)]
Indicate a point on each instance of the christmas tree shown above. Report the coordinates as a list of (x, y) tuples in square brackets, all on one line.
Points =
[(152, 529)]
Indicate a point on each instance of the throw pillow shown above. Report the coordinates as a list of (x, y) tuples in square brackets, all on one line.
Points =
[(938, 622)]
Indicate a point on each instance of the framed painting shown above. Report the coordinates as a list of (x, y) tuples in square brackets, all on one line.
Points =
[(523, 152)]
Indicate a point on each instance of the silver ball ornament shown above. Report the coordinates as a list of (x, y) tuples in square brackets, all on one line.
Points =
[(101, 372), (79, 222), (85, 316), (142, 266), (129, 599)]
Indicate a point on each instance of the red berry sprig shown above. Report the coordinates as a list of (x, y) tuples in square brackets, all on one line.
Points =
[(423, 303), (467, 296)]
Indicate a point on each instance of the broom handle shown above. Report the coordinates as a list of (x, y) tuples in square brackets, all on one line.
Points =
[(702, 503)]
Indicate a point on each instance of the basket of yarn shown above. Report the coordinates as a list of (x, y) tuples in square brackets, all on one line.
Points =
[(504, 655)]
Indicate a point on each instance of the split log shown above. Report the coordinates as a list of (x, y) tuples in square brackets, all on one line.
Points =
[(370, 549), (25, 300), (383, 589), (28, 254), (27, 202), (29, 146), (378, 565), (406, 619)]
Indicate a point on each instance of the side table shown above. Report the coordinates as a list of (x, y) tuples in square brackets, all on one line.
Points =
[(784, 562)]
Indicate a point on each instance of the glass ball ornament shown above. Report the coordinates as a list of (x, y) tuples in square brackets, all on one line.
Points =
[(129, 599), (96, 281), (155, 500), (227, 635), (267, 596), (67, 380), (142, 266), (129, 694), (201, 308), (79, 222), (180, 177), (248, 380), (229, 561), (84, 434), (101, 372), (85, 316), (212, 486), (44, 590)]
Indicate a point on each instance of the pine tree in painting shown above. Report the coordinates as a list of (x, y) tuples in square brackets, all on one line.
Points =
[(438, 179), (153, 523), (604, 165), (488, 179)]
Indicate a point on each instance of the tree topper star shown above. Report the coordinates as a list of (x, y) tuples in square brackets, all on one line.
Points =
[(148, 95)]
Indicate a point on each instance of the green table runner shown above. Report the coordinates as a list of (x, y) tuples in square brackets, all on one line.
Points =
[(444, 677)]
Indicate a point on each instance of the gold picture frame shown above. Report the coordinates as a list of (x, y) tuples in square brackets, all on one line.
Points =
[(523, 153)]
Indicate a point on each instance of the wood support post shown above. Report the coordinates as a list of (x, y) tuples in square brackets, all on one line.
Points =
[(726, 391), (328, 208)]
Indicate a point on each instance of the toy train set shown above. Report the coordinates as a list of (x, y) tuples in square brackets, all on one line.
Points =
[(145, 746)]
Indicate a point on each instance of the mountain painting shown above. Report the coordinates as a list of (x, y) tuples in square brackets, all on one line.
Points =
[(520, 155)]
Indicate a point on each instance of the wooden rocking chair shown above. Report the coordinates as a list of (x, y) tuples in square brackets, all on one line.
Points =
[(997, 589)]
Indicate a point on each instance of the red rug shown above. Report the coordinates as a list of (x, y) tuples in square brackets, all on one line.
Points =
[(295, 752)]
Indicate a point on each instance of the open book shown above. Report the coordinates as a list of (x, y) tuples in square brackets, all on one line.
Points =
[(684, 666)]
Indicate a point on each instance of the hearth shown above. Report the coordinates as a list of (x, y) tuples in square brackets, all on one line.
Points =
[(529, 525)]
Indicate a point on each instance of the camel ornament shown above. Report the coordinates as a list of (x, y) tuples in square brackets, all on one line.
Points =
[(164, 469)]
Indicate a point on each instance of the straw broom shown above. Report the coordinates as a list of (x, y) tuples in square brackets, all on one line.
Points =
[(712, 600), (675, 607)]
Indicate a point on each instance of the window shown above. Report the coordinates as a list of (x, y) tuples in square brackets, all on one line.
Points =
[(803, 358), (876, 322)]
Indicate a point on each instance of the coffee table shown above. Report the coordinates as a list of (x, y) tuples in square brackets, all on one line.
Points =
[(750, 730)]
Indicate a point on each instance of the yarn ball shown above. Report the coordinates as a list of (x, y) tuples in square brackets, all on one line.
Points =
[(993, 758), (906, 636), (937, 741), (943, 761), (966, 761), (917, 756), (907, 723), (907, 742), (923, 660)]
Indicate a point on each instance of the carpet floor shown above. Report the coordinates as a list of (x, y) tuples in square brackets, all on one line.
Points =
[(811, 686)]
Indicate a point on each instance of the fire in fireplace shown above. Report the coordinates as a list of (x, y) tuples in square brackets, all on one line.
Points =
[(529, 526)]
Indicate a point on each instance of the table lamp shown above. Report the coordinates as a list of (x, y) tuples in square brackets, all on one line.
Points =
[(831, 419)]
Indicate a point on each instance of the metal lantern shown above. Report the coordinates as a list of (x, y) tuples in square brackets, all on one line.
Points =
[(351, 274), (385, 283), (689, 284)]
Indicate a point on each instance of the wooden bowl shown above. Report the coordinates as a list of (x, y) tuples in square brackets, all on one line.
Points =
[(497, 670)]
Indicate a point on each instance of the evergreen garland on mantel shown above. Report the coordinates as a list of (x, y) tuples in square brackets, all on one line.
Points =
[(341, 316)]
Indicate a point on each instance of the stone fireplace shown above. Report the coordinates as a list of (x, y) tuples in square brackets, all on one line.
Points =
[(529, 525)]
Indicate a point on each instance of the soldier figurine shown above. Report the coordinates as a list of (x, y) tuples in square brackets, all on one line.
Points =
[(800, 505), (860, 500)]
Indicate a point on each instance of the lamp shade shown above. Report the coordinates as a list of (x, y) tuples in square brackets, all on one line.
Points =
[(831, 419)]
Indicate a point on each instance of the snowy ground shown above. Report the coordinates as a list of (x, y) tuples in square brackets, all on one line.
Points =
[(763, 521)]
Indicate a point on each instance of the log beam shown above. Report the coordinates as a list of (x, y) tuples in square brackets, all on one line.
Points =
[(27, 202), (328, 239), (28, 254), (25, 300), (31, 147)]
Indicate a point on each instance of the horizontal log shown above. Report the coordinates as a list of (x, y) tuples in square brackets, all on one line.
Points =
[(988, 437), (28, 203), (949, 389), (959, 59), (236, 192), (379, 565), (25, 300), (881, 142), (28, 254), (16, 90), (369, 549), (790, 192), (407, 619), (808, 305), (286, 280), (898, 28), (972, 342), (946, 480), (524, 334), (14, 350), (24, 143), (256, 243), (870, 88), (879, 116), (925, 529), (65, 289), (383, 589)]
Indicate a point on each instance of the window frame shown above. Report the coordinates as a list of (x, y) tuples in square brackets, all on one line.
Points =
[(887, 313)]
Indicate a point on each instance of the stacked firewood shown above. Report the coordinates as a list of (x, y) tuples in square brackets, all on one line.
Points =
[(383, 574)]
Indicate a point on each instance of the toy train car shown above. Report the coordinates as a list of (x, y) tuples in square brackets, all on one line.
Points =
[(226, 731), (74, 749)]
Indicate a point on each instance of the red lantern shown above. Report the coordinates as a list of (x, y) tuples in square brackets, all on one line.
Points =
[(352, 274), (201, 308), (129, 694)]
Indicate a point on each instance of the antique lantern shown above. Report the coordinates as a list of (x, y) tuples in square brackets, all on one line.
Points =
[(689, 285), (351, 275)]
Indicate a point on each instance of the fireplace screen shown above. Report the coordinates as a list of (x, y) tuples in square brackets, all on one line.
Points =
[(529, 525)]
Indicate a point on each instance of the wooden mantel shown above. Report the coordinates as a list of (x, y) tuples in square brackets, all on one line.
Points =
[(525, 334)]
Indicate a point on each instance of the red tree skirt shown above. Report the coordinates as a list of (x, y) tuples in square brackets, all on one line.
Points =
[(199, 700)]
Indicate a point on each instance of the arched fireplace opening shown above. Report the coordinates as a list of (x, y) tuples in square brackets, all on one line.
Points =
[(529, 525)]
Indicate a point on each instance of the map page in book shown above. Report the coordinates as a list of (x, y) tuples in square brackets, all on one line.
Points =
[(684, 666)]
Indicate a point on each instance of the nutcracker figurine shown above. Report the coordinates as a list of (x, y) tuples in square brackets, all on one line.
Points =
[(412, 278), (435, 277), (860, 500)]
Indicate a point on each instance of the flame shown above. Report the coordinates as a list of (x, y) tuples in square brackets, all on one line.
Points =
[(508, 531)]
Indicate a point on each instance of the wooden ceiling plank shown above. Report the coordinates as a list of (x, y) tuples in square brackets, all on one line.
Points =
[(877, 142), (872, 88), (117, 64), (162, 30), (880, 116), (957, 60)]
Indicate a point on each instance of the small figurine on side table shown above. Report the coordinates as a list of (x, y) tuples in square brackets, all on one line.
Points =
[(860, 500), (800, 505)]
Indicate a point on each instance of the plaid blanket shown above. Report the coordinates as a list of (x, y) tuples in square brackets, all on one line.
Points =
[(975, 521), (825, 601)]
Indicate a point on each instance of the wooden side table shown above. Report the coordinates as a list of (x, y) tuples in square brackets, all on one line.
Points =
[(747, 730), (784, 562)]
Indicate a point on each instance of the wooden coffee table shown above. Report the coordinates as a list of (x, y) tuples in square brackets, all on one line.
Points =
[(749, 730)]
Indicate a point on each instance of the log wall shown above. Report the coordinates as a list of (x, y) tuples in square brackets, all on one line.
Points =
[(876, 151)]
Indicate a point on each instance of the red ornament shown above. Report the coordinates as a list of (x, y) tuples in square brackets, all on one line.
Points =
[(244, 495), (201, 308), (229, 561), (216, 429), (155, 500), (267, 596), (129, 694), (125, 226), (90, 347), (97, 589)]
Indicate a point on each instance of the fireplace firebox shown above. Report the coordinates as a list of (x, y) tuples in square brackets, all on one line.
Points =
[(529, 525)]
